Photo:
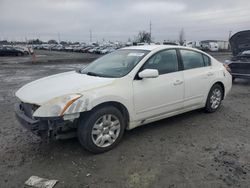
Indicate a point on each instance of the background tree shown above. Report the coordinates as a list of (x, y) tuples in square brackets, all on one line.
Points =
[(52, 41), (144, 36), (182, 37), (35, 41), (63, 43)]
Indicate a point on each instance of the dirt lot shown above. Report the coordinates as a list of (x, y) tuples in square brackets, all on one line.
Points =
[(191, 150)]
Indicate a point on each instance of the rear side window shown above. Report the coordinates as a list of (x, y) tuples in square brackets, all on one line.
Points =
[(192, 59), (165, 62)]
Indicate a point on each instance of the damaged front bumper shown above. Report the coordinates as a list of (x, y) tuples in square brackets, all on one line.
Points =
[(51, 128)]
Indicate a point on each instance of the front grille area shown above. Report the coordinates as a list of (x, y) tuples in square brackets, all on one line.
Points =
[(28, 109)]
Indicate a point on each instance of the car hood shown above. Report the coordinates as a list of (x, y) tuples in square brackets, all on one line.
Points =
[(240, 42), (45, 89)]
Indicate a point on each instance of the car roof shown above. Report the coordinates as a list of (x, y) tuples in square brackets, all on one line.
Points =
[(155, 47)]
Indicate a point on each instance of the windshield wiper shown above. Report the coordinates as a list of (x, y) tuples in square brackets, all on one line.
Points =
[(92, 74), (95, 74)]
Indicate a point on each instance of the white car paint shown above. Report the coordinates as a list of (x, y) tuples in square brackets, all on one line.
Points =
[(50, 87), (146, 100)]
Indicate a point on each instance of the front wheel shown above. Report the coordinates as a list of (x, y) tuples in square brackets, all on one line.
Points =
[(101, 130), (214, 98)]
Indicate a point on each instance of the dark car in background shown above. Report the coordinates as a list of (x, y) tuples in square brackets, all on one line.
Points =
[(11, 51), (240, 62)]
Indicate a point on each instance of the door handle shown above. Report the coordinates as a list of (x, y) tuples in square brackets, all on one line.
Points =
[(178, 82), (210, 74)]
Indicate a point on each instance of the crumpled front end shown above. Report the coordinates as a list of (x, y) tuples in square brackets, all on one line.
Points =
[(49, 128)]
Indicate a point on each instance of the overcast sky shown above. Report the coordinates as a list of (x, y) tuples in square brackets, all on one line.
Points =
[(121, 19)]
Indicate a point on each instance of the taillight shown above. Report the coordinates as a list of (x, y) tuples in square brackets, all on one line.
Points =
[(227, 68)]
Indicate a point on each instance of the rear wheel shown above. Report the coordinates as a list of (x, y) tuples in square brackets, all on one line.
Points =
[(214, 98), (101, 129)]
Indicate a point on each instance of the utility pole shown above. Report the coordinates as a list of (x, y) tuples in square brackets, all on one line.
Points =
[(150, 29), (90, 36)]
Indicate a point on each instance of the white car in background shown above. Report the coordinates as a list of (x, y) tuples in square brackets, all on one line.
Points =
[(128, 88), (213, 47)]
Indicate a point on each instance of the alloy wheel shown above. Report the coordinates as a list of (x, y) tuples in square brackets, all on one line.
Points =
[(215, 98), (106, 130)]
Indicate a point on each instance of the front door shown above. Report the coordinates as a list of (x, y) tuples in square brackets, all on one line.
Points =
[(164, 94)]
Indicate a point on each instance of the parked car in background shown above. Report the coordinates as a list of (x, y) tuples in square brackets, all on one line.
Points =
[(170, 43), (85, 50), (68, 49), (77, 48), (240, 62), (104, 51), (26, 50), (128, 88), (213, 47), (95, 48), (11, 51), (92, 50)]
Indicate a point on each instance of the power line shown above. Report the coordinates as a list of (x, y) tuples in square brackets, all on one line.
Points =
[(150, 27)]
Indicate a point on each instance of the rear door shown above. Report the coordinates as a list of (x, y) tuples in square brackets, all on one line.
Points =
[(198, 76)]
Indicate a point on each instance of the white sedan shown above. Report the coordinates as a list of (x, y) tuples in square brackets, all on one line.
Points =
[(128, 88)]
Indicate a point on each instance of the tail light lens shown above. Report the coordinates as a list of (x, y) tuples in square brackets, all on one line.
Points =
[(227, 68)]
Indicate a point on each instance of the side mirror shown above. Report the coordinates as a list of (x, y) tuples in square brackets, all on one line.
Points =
[(149, 73)]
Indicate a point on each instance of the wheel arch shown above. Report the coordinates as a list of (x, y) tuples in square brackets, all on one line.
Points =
[(121, 107)]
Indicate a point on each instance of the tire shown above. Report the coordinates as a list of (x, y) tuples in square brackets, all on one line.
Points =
[(214, 98), (96, 133), (233, 79)]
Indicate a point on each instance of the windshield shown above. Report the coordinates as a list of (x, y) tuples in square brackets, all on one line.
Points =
[(116, 64)]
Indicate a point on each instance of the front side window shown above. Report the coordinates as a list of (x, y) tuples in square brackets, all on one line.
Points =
[(165, 62), (116, 64), (191, 59)]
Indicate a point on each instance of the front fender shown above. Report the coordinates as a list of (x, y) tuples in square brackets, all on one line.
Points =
[(88, 102)]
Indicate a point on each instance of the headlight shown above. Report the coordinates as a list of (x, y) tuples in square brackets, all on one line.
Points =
[(56, 107)]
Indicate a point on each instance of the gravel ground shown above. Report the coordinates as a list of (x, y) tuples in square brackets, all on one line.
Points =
[(190, 150)]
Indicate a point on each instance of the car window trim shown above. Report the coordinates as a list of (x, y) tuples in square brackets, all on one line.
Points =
[(209, 63), (178, 61), (202, 54)]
